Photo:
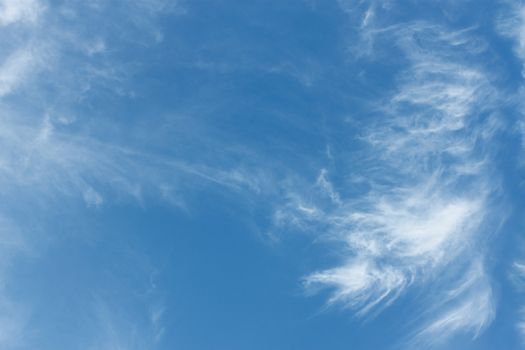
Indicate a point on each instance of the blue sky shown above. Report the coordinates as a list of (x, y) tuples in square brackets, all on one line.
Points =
[(297, 174)]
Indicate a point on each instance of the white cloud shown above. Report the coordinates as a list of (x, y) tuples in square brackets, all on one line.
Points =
[(156, 314), (118, 327), (13, 316), (48, 161), (427, 211), (468, 306), (16, 69), (512, 24), (13, 321), (95, 47), (474, 314), (517, 275), (13, 11), (326, 186), (360, 283), (93, 198)]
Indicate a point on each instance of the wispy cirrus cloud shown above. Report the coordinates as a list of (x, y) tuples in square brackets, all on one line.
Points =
[(517, 275), (115, 327), (426, 215), (16, 68), (13, 11), (51, 69), (422, 221), (511, 25)]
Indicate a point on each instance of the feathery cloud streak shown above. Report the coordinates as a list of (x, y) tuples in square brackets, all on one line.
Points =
[(51, 69), (511, 25), (425, 218)]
